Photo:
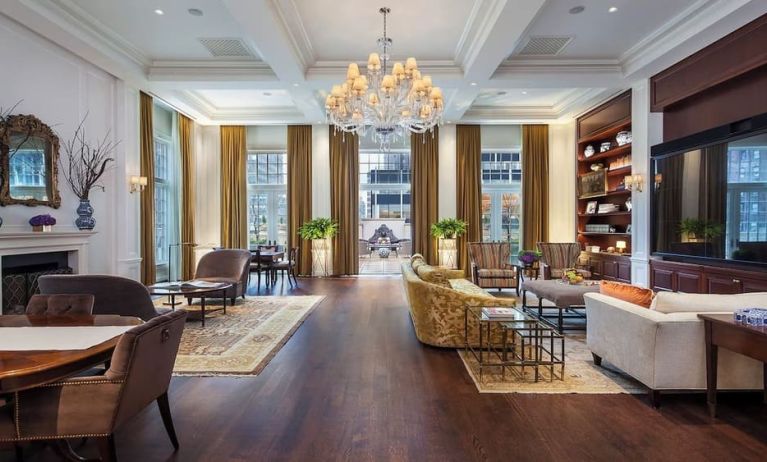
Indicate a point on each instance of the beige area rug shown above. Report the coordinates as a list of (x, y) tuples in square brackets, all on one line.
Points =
[(242, 341), (580, 375)]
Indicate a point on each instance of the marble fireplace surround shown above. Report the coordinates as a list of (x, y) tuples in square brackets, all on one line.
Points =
[(74, 243)]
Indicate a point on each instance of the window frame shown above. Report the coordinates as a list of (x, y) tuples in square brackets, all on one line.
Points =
[(496, 190), (272, 191)]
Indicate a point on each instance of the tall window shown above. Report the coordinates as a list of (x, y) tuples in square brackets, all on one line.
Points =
[(385, 185), (162, 182), (167, 208), (502, 197), (267, 197), (746, 175)]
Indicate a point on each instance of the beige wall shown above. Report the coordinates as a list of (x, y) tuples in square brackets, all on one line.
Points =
[(562, 220)]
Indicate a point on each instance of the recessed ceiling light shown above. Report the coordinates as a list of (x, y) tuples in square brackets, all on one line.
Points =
[(449, 121), (159, 12), (577, 9), (195, 11), (524, 92), (295, 84), (612, 9), (473, 84)]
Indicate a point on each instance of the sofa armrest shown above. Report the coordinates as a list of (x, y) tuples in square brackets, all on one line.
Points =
[(78, 407), (455, 274)]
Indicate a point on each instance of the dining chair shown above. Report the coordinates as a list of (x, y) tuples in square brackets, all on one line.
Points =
[(226, 265), (61, 304), (112, 294), (258, 266), (95, 407), (288, 267)]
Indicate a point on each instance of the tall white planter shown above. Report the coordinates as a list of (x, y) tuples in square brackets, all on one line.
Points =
[(322, 257), (448, 253)]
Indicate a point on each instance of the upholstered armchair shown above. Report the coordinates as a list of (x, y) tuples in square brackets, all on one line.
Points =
[(61, 305), (95, 407), (226, 265), (558, 256), (490, 266), (111, 294)]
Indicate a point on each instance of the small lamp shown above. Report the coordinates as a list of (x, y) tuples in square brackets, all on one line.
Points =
[(137, 183), (621, 246)]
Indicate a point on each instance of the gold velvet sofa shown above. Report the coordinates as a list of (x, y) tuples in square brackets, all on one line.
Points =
[(437, 298)]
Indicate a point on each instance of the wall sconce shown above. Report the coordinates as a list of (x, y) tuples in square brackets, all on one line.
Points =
[(137, 183), (621, 246), (658, 180), (634, 182)]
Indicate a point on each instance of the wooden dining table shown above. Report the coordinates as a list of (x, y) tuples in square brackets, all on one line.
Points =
[(21, 370)]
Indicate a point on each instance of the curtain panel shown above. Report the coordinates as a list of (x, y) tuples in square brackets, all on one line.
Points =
[(186, 153), (344, 197), (468, 189), (535, 185), (146, 129), (300, 192), (424, 192), (234, 194)]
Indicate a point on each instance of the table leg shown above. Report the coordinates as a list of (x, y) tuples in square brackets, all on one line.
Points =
[(540, 307), (202, 310), (711, 366), (560, 320), (764, 380), (224, 294), (173, 302)]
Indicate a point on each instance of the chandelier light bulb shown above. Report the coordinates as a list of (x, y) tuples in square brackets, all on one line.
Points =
[(353, 72)]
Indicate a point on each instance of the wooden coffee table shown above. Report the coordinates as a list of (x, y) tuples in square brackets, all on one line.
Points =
[(567, 298), (723, 331), (192, 292)]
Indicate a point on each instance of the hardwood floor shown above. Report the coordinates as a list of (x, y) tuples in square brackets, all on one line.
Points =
[(354, 384)]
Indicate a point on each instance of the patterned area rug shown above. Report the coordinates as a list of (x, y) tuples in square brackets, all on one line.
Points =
[(580, 375), (242, 341)]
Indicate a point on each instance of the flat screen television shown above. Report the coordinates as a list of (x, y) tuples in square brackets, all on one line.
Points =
[(709, 195)]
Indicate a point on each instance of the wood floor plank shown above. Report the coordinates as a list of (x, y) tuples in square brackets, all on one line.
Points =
[(354, 384)]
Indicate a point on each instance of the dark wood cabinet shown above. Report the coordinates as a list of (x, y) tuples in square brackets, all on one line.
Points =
[(693, 278), (611, 267)]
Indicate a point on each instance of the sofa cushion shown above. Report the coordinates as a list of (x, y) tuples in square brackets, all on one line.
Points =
[(675, 302), (496, 273), (433, 275), (627, 292)]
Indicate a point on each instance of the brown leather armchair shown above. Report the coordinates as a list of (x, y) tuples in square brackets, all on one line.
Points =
[(112, 294), (94, 407), (556, 257), (61, 304), (226, 265)]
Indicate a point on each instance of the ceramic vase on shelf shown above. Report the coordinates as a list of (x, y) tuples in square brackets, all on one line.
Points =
[(85, 220)]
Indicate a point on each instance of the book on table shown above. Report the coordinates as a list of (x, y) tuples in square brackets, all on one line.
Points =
[(500, 313)]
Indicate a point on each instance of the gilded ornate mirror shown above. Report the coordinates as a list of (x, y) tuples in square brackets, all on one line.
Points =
[(29, 152)]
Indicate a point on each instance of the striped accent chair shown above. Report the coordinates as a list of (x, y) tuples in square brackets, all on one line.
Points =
[(559, 256), (490, 266)]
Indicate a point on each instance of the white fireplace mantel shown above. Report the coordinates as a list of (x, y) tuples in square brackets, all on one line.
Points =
[(75, 243)]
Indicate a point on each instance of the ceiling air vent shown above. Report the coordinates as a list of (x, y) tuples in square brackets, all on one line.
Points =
[(544, 46), (226, 47)]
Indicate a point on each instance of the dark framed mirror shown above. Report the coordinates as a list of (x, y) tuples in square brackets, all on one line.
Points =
[(29, 153)]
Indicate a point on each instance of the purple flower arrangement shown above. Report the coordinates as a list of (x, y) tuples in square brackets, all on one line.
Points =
[(528, 257), (42, 220)]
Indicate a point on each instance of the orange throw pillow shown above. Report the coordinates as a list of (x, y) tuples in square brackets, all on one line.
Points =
[(626, 292)]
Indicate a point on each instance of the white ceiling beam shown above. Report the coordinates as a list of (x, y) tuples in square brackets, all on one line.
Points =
[(497, 32), (267, 33)]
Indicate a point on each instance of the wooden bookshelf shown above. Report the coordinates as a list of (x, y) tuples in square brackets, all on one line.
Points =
[(597, 126)]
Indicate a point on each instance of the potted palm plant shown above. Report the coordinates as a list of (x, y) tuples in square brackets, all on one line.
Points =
[(447, 230), (321, 232)]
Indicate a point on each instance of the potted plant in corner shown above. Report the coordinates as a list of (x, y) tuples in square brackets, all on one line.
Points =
[(320, 231), (85, 164), (447, 230)]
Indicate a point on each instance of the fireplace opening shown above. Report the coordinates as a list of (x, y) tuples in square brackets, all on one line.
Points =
[(20, 275)]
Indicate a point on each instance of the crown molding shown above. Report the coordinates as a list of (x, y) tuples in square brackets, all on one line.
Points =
[(210, 70), (287, 11), (517, 65), (214, 114), (77, 20), (479, 25), (336, 70), (510, 114)]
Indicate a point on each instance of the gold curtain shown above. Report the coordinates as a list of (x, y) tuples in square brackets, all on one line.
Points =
[(300, 191), (234, 216), (185, 140), (468, 173), (424, 161), (535, 185), (148, 269), (344, 197)]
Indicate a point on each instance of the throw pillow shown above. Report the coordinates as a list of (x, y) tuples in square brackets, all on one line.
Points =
[(433, 275), (677, 302), (626, 292)]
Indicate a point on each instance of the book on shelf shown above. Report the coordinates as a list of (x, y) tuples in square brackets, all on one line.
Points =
[(500, 313)]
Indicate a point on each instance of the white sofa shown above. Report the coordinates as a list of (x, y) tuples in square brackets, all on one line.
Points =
[(663, 347)]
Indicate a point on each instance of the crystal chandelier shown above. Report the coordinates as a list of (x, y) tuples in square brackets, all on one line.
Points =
[(387, 104)]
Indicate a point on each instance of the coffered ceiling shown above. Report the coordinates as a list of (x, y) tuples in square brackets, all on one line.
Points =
[(272, 61)]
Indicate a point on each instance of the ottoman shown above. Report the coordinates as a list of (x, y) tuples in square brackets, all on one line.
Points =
[(567, 298)]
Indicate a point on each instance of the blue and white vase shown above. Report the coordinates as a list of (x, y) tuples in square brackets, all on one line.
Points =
[(85, 220)]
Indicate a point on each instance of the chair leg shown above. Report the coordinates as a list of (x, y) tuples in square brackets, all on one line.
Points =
[(597, 359), (107, 449), (167, 420), (19, 452)]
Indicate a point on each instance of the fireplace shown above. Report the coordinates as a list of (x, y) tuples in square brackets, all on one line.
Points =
[(21, 273)]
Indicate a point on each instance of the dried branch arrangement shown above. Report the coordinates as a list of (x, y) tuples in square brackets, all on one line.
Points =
[(86, 163)]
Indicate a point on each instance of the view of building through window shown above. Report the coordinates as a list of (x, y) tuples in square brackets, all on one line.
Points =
[(267, 175), (747, 201), (502, 198)]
